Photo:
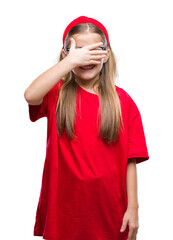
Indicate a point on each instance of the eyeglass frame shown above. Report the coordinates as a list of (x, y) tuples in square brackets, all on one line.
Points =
[(67, 49)]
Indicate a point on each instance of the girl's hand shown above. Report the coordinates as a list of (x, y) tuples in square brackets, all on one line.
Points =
[(84, 56), (131, 217)]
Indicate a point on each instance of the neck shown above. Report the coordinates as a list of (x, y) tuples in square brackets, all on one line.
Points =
[(87, 84)]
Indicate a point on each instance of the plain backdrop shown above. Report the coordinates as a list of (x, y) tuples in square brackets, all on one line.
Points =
[(31, 39)]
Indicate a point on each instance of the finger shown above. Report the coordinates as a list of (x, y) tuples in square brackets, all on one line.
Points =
[(134, 235), (130, 234), (124, 224), (93, 46), (101, 55), (98, 52), (72, 43), (95, 62), (97, 57)]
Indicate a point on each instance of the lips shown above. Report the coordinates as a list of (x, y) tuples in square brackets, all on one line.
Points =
[(88, 67)]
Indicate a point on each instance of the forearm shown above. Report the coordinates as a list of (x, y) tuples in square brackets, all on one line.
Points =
[(46, 81), (132, 184)]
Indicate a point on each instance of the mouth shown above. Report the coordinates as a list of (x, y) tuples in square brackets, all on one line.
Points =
[(88, 67)]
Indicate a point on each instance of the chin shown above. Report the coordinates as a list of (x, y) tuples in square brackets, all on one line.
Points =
[(87, 75)]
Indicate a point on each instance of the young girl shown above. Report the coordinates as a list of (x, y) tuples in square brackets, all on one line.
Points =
[(95, 138)]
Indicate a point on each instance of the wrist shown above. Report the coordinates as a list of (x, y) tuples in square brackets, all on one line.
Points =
[(134, 207), (70, 62)]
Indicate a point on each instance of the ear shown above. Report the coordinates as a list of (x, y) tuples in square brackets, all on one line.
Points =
[(63, 53), (107, 55)]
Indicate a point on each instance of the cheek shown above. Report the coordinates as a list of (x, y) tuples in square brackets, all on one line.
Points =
[(75, 70)]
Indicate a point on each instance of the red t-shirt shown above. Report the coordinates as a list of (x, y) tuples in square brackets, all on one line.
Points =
[(83, 192)]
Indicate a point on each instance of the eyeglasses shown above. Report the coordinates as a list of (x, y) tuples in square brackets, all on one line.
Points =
[(98, 48)]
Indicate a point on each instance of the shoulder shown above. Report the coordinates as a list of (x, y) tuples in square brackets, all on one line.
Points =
[(123, 95), (127, 99)]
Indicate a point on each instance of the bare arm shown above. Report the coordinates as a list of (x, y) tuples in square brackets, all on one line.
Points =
[(46, 81), (131, 215), (132, 184)]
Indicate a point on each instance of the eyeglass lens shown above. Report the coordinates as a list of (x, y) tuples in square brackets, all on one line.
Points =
[(98, 48)]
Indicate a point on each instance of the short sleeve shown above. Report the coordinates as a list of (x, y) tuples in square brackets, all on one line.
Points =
[(137, 146), (38, 111)]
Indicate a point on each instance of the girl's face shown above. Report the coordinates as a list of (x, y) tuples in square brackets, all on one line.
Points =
[(82, 40)]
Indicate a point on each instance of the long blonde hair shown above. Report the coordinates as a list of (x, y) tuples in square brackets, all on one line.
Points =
[(109, 114)]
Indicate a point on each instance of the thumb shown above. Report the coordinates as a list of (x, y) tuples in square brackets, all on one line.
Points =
[(124, 225), (72, 43)]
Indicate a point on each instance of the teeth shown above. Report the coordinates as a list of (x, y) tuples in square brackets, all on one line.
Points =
[(89, 67)]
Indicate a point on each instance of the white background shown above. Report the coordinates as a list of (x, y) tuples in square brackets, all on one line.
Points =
[(31, 38)]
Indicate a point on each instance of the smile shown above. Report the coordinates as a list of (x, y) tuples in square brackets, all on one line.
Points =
[(89, 67)]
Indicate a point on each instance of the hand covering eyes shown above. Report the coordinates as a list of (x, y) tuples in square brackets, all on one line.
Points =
[(98, 48)]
